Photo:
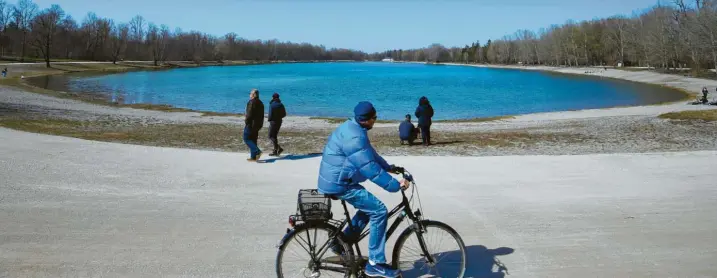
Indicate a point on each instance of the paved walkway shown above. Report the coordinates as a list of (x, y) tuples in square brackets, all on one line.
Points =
[(75, 208)]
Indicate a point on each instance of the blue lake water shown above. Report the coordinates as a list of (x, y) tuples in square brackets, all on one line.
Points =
[(332, 89)]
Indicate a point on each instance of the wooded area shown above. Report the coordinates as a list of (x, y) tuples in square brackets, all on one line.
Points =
[(50, 34), (668, 35)]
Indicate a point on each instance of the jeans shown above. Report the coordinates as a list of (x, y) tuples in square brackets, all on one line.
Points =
[(370, 209), (250, 139), (274, 133)]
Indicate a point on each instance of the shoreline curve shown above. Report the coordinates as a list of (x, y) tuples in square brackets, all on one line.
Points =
[(680, 84)]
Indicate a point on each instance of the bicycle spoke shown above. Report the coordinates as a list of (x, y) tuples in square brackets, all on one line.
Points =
[(298, 260), (307, 243), (441, 245)]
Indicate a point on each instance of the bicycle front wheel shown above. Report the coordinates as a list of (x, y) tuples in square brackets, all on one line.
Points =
[(440, 241), (305, 252)]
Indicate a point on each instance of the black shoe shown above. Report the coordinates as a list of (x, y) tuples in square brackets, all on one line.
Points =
[(280, 151)]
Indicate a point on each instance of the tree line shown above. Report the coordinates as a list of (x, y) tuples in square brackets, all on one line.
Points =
[(28, 32), (668, 35)]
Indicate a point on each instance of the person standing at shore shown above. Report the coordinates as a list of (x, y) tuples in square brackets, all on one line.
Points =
[(704, 95), (253, 122), (276, 113), (424, 113)]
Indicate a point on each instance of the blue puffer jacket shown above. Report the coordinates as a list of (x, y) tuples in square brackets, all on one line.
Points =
[(349, 159)]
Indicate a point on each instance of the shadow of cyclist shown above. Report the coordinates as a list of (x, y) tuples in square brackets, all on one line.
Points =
[(291, 157), (480, 262)]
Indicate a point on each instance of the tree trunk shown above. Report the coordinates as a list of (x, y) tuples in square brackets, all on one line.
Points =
[(22, 53), (47, 50)]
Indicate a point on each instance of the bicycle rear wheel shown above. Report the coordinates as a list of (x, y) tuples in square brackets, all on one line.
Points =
[(305, 252), (443, 244)]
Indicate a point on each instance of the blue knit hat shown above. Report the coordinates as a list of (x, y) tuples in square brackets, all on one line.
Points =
[(364, 111)]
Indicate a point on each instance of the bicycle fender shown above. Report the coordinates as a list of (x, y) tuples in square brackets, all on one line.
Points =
[(281, 242)]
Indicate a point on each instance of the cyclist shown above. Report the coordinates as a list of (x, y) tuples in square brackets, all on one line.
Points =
[(349, 159)]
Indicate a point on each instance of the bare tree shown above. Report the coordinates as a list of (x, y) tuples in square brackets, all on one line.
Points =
[(137, 28), (6, 14), (707, 28), (435, 52), (118, 40), (158, 40), (44, 28), (24, 12)]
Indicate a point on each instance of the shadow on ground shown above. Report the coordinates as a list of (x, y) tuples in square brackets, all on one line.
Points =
[(291, 157), (481, 262), (434, 143)]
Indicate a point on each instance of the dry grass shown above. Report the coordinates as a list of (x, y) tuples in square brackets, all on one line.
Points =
[(472, 120), (221, 114), (208, 136), (228, 137), (700, 115), (508, 138), (332, 120), (477, 120), (156, 107)]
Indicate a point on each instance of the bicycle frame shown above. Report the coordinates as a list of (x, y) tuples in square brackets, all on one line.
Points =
[(404, 207), (401, 210)]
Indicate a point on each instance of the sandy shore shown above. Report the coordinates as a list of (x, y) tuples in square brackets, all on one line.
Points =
[(78, 208), (611, 130)]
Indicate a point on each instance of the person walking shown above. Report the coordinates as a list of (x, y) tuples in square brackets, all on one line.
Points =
[(424, 113), (253, 122), (276, 113)]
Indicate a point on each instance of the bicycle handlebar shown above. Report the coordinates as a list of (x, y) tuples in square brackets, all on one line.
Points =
[(400, 170)]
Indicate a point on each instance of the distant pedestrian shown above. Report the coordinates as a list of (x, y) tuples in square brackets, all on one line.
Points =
[(254, 121), (424, 113), (407, 131), (4, 72), (276, 113), (704, 95)]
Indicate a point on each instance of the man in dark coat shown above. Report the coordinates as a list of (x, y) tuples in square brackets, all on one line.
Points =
[(276, 113), (254, 121), (424, 113), (406, 131)]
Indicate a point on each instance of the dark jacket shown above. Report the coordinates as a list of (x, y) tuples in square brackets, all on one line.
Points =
[(276, 110), (424, 112), (406, 130), (254, 117)]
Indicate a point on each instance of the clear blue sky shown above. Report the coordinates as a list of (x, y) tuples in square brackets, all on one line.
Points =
[(368, 25)]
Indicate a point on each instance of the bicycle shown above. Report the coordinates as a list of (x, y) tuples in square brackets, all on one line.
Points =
[(314, 212)]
